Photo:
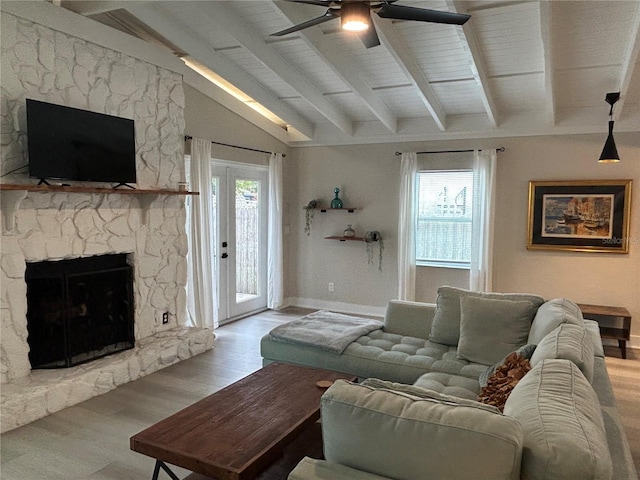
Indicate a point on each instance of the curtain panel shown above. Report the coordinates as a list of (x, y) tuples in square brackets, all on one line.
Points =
[(202, 306), (484, 181), (275, 256), (406, 227)]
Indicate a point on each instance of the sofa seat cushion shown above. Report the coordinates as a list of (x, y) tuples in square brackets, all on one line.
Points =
[(365, 427), (448, 384), (564, 434), (397, 350)]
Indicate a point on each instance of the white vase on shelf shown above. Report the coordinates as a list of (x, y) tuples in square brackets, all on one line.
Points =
[(349, 232)]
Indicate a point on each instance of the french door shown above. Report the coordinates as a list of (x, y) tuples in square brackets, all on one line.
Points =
[(240, 210)]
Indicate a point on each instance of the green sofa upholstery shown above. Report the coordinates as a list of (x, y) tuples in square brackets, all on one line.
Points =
[(359, 419)]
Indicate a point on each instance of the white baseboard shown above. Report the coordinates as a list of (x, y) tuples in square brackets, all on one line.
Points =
[(342, 307)]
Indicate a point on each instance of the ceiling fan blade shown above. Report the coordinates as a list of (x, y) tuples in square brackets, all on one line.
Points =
[(400, 12), (369, 37), (329, 15)]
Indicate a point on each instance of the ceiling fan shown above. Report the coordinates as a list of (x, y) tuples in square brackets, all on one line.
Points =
[(355, 16)]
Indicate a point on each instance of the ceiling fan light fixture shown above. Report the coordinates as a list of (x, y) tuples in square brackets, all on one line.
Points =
[(355, 16), (610, 152)]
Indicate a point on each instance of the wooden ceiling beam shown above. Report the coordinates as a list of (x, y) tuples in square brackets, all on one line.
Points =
[(339, 64), (546, 33), (477, 63), (223, 17), (205, 54), (405, 59)]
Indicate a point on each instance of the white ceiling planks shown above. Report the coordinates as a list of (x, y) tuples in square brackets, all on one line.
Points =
[(517, 67)]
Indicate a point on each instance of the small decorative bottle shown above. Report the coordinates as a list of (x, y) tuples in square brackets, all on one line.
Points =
[(336, 202), (349, 232)]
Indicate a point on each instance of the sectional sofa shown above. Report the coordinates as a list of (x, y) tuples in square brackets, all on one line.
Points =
[(415, 414)]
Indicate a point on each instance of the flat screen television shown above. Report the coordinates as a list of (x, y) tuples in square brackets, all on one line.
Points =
[(71, 144)]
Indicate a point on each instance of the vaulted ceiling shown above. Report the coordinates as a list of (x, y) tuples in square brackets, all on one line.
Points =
[(515, 68)]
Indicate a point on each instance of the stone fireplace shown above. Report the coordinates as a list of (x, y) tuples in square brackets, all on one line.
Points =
[(149, 230)]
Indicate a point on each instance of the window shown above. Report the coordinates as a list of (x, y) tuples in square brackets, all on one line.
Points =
[(444, 217)]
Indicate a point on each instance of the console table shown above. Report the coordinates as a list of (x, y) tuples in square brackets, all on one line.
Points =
[(614, 322)]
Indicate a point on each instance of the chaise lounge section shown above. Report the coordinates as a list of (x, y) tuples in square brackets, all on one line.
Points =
[(425, 365)]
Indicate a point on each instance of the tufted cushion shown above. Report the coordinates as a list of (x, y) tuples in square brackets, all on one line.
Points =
[(424, 392), (364, 427), (570, 342), (564, 435), (445, 328), (551, 315), (492, 328), (448, 384), (423, 355)]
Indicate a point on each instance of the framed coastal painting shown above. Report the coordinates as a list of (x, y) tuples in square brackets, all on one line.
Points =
[(580, 216)]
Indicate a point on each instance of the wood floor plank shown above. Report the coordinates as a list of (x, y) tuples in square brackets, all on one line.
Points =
[(91, 440)]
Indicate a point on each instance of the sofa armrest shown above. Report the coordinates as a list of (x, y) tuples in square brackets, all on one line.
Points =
[(411, 319), (593, 329), (311, 469)]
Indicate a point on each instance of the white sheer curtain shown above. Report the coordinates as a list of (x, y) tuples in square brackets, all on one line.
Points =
[(275, 258), (202, 304), (406, 227), (484, 181)]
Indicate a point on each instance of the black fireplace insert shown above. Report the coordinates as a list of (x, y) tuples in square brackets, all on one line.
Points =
[(79, 310)]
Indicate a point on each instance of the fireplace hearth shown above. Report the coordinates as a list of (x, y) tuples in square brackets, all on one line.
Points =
[(79, 310)]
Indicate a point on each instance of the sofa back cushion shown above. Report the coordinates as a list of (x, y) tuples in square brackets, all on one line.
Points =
[(564, 435), (492, 328), (445, 328), (551, 315), (399, 435), (570, 342)]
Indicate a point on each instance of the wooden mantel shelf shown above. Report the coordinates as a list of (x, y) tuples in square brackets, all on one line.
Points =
[(85, 189), (13, 194)]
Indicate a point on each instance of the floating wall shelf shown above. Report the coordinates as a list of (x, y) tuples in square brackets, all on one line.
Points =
[(13, 194), (343, 209), (345, 239)]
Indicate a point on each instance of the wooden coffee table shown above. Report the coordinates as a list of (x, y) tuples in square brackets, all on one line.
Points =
[(240, 430)]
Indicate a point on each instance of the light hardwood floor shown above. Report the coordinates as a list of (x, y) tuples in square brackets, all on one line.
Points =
[(90, 441)]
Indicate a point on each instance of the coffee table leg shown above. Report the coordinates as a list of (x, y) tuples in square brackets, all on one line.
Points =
[(156, 470)]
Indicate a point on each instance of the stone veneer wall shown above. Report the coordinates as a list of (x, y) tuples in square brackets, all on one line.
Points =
[(49, 65)]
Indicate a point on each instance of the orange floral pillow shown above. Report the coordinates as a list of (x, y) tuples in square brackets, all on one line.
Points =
[(503, 380)]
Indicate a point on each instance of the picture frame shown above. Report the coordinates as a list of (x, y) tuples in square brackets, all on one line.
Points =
[(579, 215)]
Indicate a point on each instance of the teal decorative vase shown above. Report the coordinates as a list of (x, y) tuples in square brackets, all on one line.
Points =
[(336, 202)]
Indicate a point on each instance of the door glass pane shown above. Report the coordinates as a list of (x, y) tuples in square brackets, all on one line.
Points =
[(248, 200)]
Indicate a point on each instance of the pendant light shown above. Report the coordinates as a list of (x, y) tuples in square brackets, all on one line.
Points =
[(610, 152)]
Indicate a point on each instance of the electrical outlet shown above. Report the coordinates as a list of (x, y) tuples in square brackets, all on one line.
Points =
[(165, 318), (331, 286)]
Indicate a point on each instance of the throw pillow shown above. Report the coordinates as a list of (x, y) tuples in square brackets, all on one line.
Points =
[(526, 351), (445, 328), (491, 328), (503, 380)]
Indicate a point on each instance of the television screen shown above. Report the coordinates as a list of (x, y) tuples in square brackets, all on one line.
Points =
[(72, 144)]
